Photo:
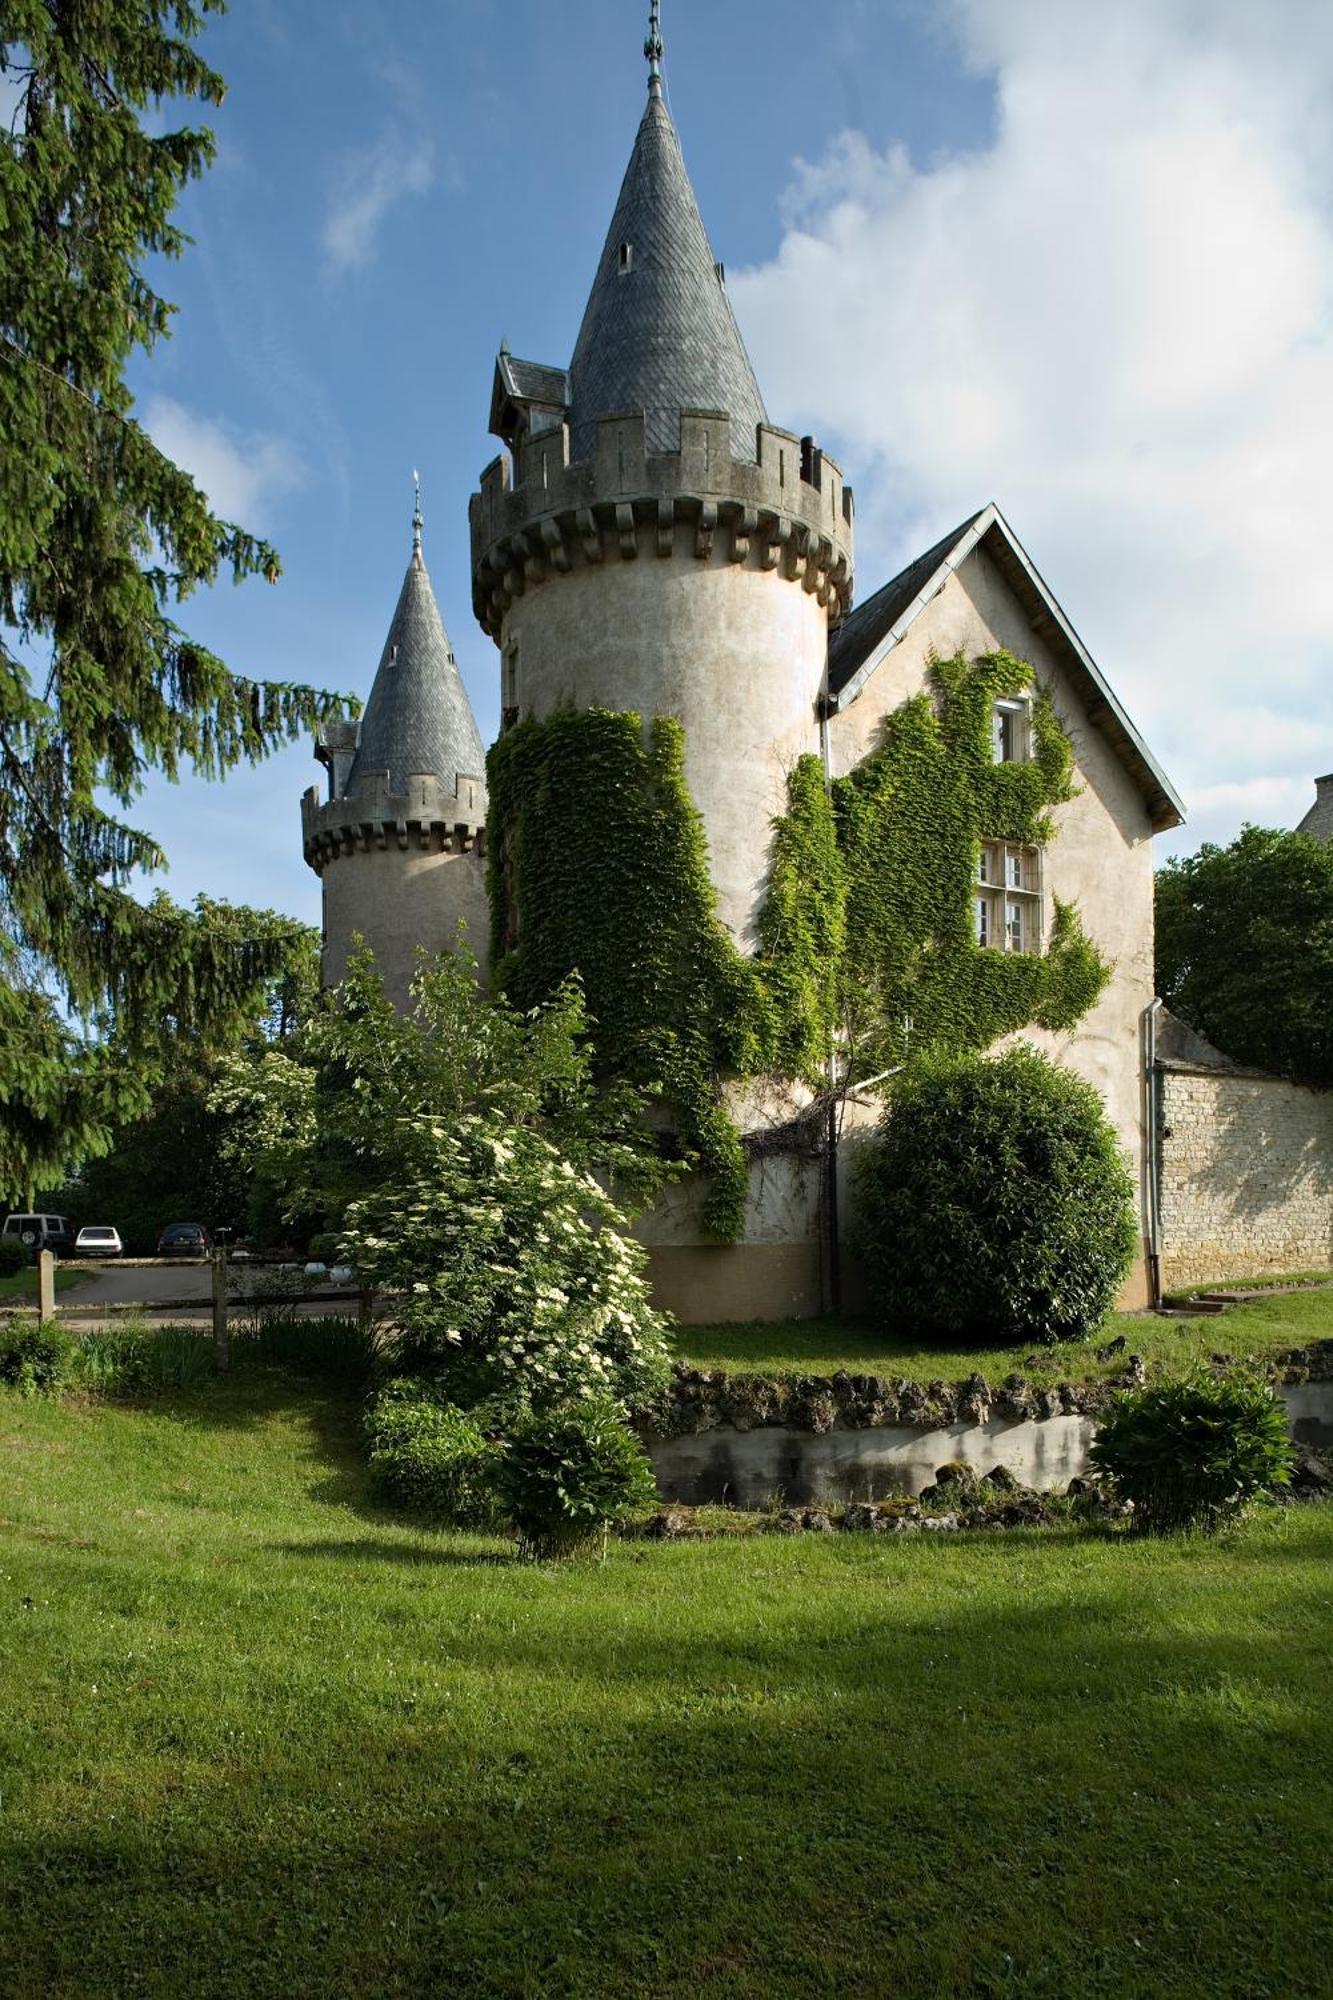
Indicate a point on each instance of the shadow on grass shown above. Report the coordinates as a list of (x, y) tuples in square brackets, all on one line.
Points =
[(1077, 1795), (406, 1555)]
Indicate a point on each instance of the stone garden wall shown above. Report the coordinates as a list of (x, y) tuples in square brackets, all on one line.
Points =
[(1246, 1165)]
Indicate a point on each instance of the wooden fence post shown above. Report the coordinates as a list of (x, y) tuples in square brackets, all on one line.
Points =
[(221, 1344), (46, 1285)]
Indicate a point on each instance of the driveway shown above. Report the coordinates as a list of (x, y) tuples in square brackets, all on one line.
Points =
[(121, 1285)]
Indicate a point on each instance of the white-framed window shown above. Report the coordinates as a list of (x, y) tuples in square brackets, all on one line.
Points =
[(1011, 731), (1007, 906)]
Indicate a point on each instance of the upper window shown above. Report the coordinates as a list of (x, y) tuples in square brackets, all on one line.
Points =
[(626, 258), (1011, 732), (1007, 903)]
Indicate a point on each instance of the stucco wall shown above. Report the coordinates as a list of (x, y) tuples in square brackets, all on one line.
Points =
[(734, 651), (398, 900), (1246, 1177), (1100, 859)]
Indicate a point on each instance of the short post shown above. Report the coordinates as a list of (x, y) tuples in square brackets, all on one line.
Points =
[(46, 1285), (221, 1344)]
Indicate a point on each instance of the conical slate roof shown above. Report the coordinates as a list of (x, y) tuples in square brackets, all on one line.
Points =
[(418, 718), (659, 334)]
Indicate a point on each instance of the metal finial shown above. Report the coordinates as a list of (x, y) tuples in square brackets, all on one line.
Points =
[(417, 523), (652, 48)]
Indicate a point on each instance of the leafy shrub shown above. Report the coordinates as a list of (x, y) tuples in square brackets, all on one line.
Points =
[(135, 1359), (430, 1456), (516, 1279), (1193, 1453), (32, 1357), (567, 1473), (13, 1256), (993, 1202)]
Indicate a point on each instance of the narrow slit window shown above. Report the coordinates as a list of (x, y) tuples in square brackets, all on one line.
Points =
[(626, 258)]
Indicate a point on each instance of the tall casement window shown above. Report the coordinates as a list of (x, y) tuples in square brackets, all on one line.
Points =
[(1011, 732), (1007, 901)]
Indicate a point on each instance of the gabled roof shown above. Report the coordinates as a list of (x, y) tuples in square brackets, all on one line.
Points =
[(1318, 822), (869, 635), (659, 334), (418, 718), (525, 382)]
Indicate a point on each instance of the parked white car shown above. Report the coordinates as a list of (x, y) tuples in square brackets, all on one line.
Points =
[(97, 1240)]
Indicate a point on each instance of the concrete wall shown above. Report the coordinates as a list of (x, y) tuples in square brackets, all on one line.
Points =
[(398, 899), (1101, 858), (754, 1468), (1246, 1177)]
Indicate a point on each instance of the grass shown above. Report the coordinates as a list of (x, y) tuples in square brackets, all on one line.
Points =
[(259, 1737), (23, 1284), (819, 1346)]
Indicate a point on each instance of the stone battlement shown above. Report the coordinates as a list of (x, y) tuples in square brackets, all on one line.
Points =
[(429, 816), (790, 512)]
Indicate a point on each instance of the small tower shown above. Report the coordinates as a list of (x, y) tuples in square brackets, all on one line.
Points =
[(651, 542), (399, 842)]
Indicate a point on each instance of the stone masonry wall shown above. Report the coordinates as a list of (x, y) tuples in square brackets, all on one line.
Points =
[(1246, 1177)]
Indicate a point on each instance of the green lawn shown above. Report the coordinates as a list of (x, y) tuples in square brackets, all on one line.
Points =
[(23, 1284), (819, 1346), (258, 1738)]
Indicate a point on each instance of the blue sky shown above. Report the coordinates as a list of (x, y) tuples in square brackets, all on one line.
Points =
[(1072, 258)]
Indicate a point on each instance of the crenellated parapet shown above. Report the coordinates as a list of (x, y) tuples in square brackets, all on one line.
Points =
[(539, 515), (429, 818)]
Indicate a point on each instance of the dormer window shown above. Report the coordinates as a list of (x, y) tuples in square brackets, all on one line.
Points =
[(1011, 732), (626, 258)]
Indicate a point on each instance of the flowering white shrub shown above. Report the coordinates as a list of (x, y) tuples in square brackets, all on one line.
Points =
[(515, 1277)]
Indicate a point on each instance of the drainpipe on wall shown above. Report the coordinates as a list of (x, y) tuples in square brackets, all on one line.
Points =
[(831, 1214), (1153, 1136)]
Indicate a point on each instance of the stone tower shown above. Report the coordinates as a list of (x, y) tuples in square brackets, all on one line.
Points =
[(398, 844), (650, 541)]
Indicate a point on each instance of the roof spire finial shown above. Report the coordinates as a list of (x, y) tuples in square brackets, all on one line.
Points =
[(417, 523), (652, 48)]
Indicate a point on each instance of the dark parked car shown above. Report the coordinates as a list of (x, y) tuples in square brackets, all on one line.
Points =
[(183, 1239), (41, 1232)]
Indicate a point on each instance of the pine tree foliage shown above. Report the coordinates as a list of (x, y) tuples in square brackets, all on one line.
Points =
[(102, 538)]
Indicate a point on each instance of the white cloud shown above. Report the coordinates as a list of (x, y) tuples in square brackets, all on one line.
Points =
[(367, 184), (243, 476), (1116, 319)]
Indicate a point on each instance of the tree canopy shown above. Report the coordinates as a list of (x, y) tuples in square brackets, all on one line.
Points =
[(102, 539), (1245, 949)]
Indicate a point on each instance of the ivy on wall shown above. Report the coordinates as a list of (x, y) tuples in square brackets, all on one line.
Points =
[(802, 928), (599, 866), (912, 820)]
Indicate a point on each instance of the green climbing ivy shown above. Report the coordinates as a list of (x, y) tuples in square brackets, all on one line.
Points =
[(912, 820), (599, 867), (802, 927)]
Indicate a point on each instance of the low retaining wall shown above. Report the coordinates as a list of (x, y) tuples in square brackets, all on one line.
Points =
[(753, 1468), (801, 1466)]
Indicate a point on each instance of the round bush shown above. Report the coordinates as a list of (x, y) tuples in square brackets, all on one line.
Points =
[(431, 1457), (13, 1256), (33, 1358), (1192, 1454), (567, 1473), (993, 1203)]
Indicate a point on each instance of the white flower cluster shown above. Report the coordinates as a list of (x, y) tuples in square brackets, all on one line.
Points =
[(513, 1273)]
